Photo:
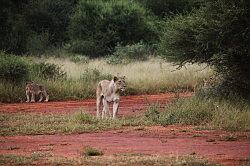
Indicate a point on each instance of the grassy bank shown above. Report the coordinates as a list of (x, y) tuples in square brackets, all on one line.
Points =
[(208, 113), (151, 76), (79, 122)]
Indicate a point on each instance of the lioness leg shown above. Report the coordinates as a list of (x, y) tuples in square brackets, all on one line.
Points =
[(115, 108), (105, 109), (27, 96), (98, 103)]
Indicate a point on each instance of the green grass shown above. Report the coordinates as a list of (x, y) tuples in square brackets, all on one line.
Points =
[(10, 159), (119, 160), (209, 113), (79, 122), (193, 111)]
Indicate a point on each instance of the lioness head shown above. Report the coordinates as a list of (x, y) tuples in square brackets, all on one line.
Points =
[(120, 83)]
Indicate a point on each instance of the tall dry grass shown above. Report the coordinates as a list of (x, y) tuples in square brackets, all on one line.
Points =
[(152, 76)]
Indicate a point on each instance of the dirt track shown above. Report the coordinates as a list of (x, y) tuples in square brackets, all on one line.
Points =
[(129, 105), (174, 140)]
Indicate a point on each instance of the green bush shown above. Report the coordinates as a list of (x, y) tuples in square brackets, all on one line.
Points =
[(126, 54), (97, 26), (94, 75), (47, 71), (13, 68), (216, 34)]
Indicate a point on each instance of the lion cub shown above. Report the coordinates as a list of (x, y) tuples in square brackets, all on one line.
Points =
[(35, 89)]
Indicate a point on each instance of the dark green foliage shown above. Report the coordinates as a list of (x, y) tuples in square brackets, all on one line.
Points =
[(13, 68), (217, 34), (37, 43), (49, 16), (126, 54), (47, 71), (98, 26), (33, 25), (167, 8)]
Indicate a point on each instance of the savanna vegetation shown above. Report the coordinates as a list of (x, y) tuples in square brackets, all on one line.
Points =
[(122, 159), (69, 45)]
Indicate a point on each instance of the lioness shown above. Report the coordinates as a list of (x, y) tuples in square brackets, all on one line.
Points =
[(35, 89), (109, 91)]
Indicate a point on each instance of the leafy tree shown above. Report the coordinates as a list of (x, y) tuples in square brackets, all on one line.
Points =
[(98, 26), (216, 34)]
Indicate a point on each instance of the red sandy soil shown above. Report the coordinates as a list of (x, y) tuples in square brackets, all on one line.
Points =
[(129, 105), (171, 140)]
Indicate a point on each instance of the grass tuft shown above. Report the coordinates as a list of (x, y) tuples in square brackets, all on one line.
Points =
[(90, 151)]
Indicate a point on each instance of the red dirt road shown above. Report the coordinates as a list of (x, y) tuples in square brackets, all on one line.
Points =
[(170, 140), (129, 105)]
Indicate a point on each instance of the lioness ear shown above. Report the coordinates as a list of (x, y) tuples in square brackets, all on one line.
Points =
[(115, 78)]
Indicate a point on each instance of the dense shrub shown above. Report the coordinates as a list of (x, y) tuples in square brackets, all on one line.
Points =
[(97, 26), (125, 54), (47, 71), (13, 68), (216, 34)]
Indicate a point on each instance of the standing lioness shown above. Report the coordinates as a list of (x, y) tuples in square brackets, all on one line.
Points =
[(109, 91), (35, 89)]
